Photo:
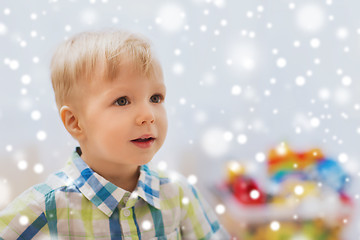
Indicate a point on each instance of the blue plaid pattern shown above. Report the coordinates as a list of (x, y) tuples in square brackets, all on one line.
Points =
[(105, 195), (78, 203)]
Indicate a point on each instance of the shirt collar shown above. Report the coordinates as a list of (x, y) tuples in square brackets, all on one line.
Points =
[(105, 195)]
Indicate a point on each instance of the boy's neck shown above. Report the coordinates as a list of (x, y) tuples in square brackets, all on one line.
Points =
[(123, 176), (128, 183)]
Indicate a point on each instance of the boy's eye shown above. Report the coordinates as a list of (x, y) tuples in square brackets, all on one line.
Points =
[(122, 101), (156, 98)]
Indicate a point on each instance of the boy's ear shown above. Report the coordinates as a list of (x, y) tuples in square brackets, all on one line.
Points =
[(71, 122)]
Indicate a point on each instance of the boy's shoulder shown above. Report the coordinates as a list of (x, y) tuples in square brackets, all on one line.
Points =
[(34, 198), (57, 181)]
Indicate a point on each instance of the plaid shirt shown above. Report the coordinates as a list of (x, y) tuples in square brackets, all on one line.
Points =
[(77, 203)]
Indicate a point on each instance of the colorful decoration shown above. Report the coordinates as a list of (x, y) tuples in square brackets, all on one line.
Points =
[(330, 173), (298, 181), (283, 162), (245, 189)]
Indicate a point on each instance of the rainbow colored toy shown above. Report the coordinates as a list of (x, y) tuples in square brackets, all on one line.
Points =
[(305, 183)]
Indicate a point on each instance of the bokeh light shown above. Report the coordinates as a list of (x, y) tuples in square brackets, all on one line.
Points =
[(170, 17), (310, 17)]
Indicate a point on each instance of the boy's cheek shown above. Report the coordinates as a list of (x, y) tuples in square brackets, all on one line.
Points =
[(165, 127)]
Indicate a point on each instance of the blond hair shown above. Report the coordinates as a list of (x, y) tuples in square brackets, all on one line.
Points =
[(77, 59)]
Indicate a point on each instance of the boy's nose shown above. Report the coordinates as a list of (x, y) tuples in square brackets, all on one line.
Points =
[(145, 116)]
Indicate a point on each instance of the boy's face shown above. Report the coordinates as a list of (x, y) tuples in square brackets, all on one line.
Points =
[(123, 121)]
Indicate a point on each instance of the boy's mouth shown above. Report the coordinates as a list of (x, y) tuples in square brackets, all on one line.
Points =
[(144, 141)]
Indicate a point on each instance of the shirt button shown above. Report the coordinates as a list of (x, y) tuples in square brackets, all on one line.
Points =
[(126, 212)]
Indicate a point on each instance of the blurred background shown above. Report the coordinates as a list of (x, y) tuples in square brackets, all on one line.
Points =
[(262, 97)]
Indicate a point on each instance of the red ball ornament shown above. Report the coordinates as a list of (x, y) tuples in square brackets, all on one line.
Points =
[(247, 192)]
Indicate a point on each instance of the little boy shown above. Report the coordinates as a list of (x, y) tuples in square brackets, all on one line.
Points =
[(110, 93)]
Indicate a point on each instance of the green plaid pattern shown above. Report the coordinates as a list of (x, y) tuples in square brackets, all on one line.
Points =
[(77, 203)]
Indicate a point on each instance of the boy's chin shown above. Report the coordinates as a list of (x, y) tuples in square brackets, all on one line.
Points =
[(144, 161)]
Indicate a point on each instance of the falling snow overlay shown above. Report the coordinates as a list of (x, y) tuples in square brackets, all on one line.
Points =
[(241, 77)]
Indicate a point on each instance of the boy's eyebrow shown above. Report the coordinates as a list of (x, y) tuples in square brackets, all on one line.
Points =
[(160, 86)]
